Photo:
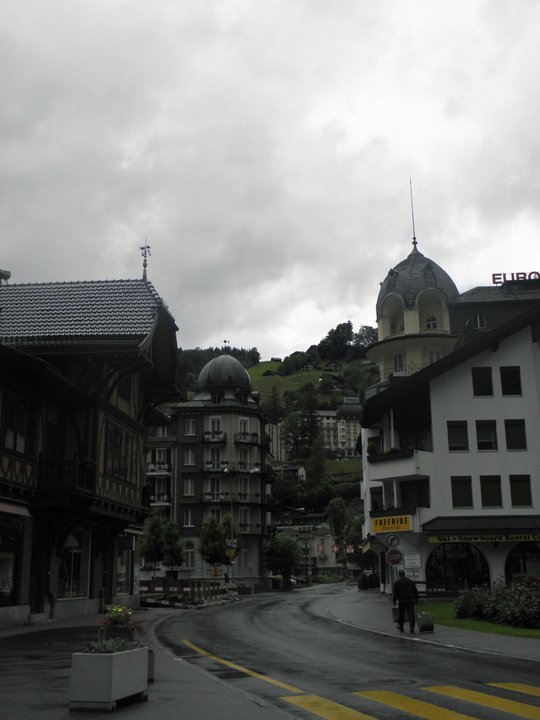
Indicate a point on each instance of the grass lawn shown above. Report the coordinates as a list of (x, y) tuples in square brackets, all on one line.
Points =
[(443, 614)]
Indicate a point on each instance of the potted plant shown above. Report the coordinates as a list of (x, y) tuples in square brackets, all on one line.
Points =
[(108, 671), (120, 622)]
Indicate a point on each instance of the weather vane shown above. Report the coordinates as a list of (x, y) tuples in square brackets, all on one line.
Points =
[(412, 213), (145, 252)]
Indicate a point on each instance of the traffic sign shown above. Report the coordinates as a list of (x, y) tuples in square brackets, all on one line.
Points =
[(394, 556)]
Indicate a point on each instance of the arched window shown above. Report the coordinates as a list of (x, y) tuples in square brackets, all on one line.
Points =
[(524, 560), (431, 322), (455, 566)]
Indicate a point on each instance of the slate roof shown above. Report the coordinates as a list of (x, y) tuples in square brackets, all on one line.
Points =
[(509, 292), (41, 313), (411, 276)]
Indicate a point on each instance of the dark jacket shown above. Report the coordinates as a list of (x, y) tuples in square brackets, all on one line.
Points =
[(404, 590)]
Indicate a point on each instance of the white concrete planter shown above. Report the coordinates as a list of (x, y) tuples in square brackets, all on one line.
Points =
[(98, 680)]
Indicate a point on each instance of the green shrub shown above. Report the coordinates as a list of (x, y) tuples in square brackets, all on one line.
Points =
[(517, 604)]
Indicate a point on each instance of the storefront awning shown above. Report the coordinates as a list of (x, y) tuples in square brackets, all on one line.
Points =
[(14, 509), (504, 528)]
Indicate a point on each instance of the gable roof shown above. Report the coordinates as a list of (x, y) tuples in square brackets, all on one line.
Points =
[(418, 383), (38, 313)]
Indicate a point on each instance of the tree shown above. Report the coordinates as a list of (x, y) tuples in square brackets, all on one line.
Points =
[(365, 337), (283, 553), (335, 345), (152, 546), (173, 552), (272, 407), (213, 542)]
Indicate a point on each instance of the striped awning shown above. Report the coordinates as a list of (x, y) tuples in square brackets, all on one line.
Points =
[(14, 509)]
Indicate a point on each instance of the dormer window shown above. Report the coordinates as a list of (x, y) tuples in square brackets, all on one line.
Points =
[(431, 323)]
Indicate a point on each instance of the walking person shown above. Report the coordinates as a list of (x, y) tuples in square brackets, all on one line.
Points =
[(405, 594)]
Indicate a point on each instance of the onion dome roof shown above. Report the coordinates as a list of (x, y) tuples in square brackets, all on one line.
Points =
[(222, 373), (414, 275)]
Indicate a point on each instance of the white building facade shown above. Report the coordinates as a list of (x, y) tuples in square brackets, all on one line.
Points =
[(451, 465)]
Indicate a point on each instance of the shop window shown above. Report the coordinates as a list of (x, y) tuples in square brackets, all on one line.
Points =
[(486, 434), (74, 565), (9, 546), (461, 491), (455, 566), (482, 381), (511, 380), (515, 434), (523, 561), (520, 490), (490, 490), (458, 439), (124, 563)]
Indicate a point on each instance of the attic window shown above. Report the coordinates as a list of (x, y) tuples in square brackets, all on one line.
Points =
[(431, 323)]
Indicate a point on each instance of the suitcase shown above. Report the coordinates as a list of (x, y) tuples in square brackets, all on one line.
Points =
[(394, 613), (424, 621)]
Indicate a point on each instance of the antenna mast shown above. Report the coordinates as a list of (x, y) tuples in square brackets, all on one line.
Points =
[(412, 214), (145, 252)]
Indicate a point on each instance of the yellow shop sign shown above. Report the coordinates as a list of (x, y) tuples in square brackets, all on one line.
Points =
[(391, 523)]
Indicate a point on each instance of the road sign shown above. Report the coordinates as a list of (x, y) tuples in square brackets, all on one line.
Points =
[(394, 556), (392, 540)]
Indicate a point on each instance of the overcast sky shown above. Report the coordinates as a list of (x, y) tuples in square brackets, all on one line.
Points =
[(264, 150)]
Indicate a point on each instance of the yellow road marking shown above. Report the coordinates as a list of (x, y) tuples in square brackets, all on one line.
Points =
[(518, 687), (415, 707), (510, 706), (326, 708), (240, 668)]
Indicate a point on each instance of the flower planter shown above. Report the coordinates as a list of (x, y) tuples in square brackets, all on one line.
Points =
[(99, 680)]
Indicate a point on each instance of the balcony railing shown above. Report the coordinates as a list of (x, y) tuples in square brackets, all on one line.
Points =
[(250, 529), (245, 437), (237, 498), (229, 467), (158, 467), (214, 437), (391, 454)]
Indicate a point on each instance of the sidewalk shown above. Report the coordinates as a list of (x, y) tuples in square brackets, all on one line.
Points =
[(369, 610), (34, 682)]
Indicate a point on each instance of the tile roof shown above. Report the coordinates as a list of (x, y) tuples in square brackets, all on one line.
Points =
[(77, 311)]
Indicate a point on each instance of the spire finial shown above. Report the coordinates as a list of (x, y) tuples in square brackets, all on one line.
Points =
[(414, 242), (145, 252)]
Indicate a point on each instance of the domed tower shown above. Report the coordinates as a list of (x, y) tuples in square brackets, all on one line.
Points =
[(413, 318), (224, 380)]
